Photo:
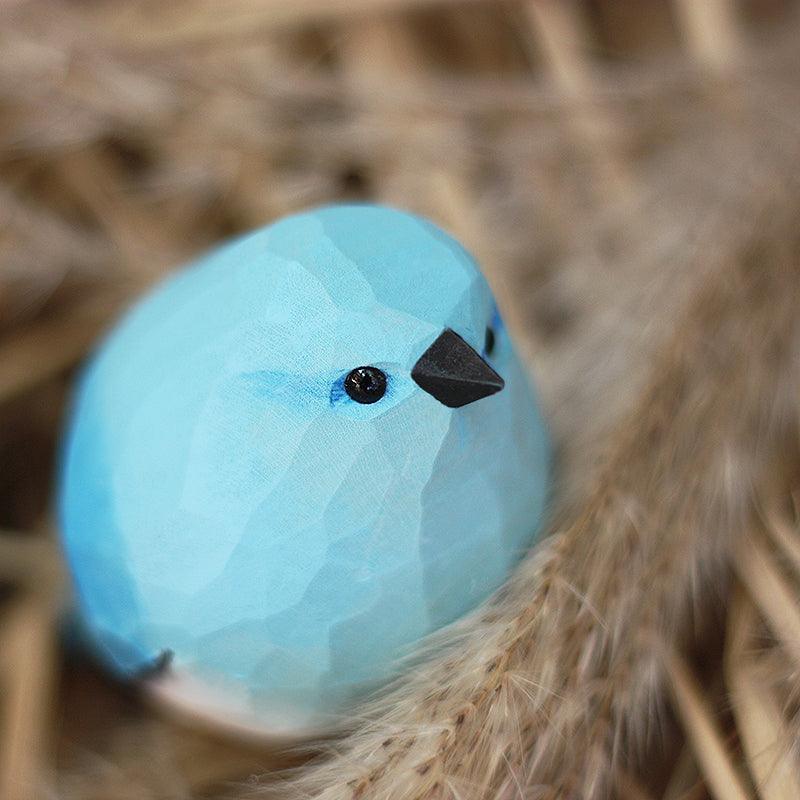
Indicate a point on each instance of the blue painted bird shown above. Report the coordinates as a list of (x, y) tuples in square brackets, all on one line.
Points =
[(292, 461)]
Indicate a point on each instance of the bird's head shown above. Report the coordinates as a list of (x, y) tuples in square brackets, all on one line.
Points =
[(365, 306)]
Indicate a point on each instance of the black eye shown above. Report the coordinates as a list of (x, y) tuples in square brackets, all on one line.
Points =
[(488, 342), (365, 384)]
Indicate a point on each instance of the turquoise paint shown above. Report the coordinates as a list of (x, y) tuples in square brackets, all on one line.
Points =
[(224, 499)]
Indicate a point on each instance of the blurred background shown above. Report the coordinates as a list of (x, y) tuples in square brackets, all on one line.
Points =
[(596, 156)]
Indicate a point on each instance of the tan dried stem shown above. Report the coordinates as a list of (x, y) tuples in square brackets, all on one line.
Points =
[(564, 661)]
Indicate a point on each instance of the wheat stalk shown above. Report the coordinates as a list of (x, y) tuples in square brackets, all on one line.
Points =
[(659, 322), (568, 658)]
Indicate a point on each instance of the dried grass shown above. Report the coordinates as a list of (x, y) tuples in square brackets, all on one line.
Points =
[(630, 182)]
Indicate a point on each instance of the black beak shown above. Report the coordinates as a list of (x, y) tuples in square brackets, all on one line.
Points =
[(454, 373)]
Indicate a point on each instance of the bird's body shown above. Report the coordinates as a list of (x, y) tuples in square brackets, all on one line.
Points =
[(237, 495)]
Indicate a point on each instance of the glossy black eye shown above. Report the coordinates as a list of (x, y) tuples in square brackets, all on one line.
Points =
[(365, 384), (488, 342)]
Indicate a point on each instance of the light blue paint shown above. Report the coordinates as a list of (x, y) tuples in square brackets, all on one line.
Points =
[(223, 498)]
